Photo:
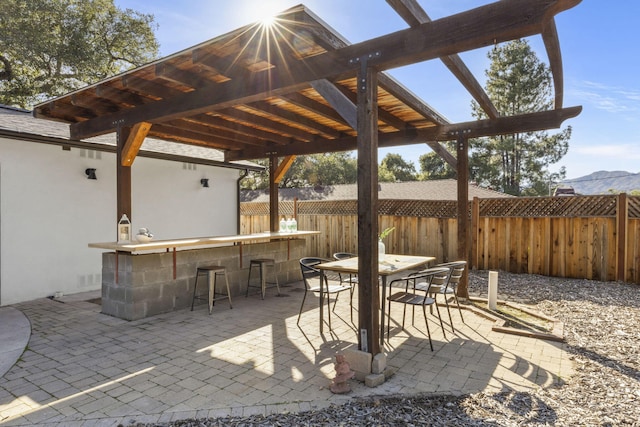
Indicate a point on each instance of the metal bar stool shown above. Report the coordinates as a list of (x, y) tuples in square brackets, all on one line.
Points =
[(262, 264), (212, 273)]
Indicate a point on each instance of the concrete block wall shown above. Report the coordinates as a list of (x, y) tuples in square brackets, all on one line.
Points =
[(146, 287)]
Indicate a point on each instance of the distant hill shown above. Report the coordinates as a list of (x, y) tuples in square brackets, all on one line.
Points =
[(602, 181)]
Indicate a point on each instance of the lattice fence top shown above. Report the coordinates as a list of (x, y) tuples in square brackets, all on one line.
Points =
[(634, 207), (413, 208), (263, 208), (419, 208), (569, 206), (334, 207)]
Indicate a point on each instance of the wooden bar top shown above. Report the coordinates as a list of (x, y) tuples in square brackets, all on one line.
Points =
[(135, 246)]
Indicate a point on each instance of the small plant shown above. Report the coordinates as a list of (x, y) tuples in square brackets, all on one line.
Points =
[(385, 232)]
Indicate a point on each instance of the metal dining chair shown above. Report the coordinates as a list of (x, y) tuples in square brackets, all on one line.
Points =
[(313, 277), (446, 285), (410, 297), (352, 279)]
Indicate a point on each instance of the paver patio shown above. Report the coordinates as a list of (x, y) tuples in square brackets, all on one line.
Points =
[(85, 368)]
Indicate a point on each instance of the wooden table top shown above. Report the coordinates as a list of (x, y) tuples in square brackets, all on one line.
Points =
[(390, 265)]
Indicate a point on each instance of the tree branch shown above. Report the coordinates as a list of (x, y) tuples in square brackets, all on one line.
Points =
[(7, 72)]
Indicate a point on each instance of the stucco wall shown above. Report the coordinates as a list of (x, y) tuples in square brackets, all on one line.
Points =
[(50, 211)]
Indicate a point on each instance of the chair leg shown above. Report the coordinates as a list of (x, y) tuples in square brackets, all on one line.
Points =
[(304, 297), (446, 302), (404, 314), (388, 320), (426, 322), (458, 304), (328, 307), (351, 301), (440, 319), (335, 301)]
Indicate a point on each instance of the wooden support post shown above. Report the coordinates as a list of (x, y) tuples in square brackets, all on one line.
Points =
[(368, 293), (463, 210), (123, 177), (274, 223), (622, 218)]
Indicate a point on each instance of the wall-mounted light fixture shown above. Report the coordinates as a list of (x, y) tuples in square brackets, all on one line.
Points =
[(204, 182), (91, 173)]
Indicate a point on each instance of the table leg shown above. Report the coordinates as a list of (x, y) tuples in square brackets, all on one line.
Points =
[(322, 279), (382, 310)]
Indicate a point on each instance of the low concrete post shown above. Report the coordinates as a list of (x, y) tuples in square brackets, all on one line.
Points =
[(493, 290)]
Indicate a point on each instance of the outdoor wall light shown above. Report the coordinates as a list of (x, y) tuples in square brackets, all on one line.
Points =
[(91, 173), (204, 182)]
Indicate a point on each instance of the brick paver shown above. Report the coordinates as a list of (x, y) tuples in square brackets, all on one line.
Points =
[(85, 368)]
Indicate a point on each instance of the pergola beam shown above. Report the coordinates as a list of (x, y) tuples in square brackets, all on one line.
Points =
[(338, 100), (552, 44), (483, 26), (530, 122), (414, 15)]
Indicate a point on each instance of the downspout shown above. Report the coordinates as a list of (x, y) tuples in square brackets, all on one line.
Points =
[(242, 176)]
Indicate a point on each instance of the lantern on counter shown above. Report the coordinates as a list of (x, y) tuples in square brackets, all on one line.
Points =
[(124, 229)]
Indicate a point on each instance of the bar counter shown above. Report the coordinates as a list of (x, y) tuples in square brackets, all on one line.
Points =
[(200, 241), (144, 279)]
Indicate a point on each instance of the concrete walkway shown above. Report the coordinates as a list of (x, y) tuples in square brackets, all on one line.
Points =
[(15, 331), (83, 368)]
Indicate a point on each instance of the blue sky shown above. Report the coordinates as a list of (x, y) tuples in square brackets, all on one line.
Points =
[(599, 42)]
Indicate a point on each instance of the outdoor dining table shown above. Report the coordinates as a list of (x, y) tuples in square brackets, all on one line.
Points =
[(388, 265)]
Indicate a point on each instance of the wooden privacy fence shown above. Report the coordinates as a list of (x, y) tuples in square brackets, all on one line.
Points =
[(590, 237)]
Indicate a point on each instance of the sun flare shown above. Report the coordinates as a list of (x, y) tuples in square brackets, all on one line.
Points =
[(267, 20)]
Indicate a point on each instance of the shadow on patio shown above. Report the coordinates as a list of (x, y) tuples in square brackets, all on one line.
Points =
[(82, 365)]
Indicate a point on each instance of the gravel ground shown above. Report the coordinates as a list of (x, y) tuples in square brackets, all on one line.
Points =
[(601, 322)]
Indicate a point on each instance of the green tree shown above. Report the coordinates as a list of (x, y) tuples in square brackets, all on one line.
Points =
[(432, 166), (325, 169), (311, 170), (394, 168), (517, 164), (51, 47)]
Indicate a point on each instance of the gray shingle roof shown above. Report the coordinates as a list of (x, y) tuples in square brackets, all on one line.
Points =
[(444, 189), (16, 120)]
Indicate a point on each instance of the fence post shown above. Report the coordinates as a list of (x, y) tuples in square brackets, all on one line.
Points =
[(622, 219)]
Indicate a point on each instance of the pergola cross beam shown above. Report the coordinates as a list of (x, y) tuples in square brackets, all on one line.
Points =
[(415, 15)]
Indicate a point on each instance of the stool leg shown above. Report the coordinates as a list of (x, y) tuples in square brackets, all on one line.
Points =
[(226, 279), (195, 288), (275, 277), (212, 289), (249, 279), (263, 278)]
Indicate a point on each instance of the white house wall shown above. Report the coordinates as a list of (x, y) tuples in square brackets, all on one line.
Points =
[(50, 211)]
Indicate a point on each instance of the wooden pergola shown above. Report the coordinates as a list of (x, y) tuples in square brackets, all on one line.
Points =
[(296, 87)]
